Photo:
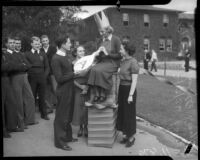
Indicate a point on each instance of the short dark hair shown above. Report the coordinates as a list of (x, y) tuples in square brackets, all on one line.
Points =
[(9, 37), (35, 38), (61, 40), (44, 36), (129, 48), (18, 39)]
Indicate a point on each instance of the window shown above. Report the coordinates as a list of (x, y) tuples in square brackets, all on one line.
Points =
[(125, 18), (162, 45), (146, 20), (169, 45), (146, 44), (165, 20)]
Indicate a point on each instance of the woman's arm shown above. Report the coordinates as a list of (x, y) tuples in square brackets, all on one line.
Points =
[(78, 85), (133, 87)]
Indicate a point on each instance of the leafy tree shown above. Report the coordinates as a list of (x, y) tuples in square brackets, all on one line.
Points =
[(26, 21)]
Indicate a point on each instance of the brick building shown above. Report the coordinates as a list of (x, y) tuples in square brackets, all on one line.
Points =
[(187, 33), (147, 26)]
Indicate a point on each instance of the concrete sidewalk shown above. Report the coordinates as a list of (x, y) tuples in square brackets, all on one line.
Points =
[(38, 140), (175, 73)]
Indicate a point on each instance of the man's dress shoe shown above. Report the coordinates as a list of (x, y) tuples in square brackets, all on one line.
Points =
[(66, 147), (45, 117)]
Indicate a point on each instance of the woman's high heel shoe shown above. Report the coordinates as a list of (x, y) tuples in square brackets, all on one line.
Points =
[(96, 99), (130, 143), (85, 131), (80, 132)]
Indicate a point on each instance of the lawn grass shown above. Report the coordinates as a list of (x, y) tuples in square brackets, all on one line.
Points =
[(166, 106)]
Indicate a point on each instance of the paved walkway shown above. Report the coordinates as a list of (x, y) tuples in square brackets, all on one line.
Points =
[(175, 73), (37, 140), (150, 140)]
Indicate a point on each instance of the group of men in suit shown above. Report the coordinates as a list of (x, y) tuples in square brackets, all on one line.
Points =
[(26, 76)]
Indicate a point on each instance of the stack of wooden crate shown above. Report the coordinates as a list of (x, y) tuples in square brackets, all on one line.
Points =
[(101, 127)]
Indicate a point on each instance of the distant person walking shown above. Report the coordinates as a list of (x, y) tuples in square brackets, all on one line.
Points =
[(147, 58), (154, 59), (187, 60)]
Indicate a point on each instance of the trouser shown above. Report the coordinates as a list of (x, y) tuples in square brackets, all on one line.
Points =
[(23, 93), (9, 105), (187, 64), (38, 86), (153, 66), (146, 64), (63, 114), (51, 98)]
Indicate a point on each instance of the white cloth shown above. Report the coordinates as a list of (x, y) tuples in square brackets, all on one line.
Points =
[(33, 51), (60, 53), (154, 56), (46, 49), (9, 51)]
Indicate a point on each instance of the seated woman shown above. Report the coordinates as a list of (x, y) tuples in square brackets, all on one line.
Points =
[(100, 75)]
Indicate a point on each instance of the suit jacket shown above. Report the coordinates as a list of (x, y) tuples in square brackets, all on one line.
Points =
[(39, 63), (10, 66), (50, 52)]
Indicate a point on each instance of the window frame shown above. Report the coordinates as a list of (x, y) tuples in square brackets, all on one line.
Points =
[(165, 20), (148, 44), (125, 21), (169, 45), (146, 20), (163, 43)]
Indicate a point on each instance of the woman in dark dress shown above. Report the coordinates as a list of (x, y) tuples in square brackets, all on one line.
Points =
[(63, 71), (100, 75), (126, 118)]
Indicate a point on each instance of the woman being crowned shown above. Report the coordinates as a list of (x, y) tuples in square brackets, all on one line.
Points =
[(100, 75)]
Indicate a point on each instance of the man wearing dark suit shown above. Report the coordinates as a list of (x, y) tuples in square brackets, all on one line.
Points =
[(37, 74), (187, 60), (147, 58), (10, 104), (50, 50), (26, 112)]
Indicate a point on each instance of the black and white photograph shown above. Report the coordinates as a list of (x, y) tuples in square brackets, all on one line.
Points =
[(99, 80)]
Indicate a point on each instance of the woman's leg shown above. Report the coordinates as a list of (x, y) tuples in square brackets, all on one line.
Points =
[(102, 95)]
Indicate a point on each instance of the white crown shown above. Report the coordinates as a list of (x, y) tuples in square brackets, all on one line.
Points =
[(101, 22)]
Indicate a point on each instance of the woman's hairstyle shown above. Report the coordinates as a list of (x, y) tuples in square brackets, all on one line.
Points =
[(109, 29), (61, 40), (129, 48), (74, 52)]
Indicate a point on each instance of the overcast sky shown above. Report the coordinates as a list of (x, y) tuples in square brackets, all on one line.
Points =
[(183, 5)]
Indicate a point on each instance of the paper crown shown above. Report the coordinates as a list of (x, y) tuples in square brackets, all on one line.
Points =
[(101, 22)]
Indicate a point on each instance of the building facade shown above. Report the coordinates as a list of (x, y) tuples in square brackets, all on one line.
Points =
[(146, 26), (187, 33)]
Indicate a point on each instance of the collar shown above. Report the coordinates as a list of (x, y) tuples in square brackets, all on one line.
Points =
[(33, 51), (60, 53), (17, 51), (9, 51), (46, 49), (109, 37)]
